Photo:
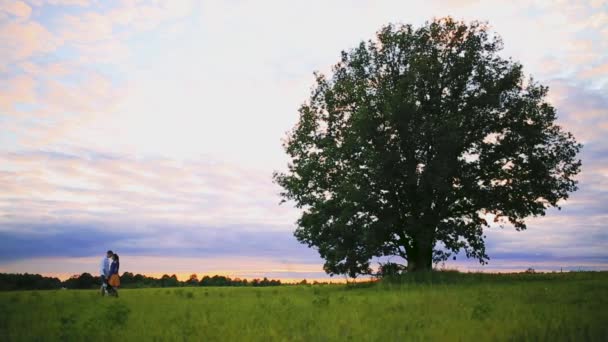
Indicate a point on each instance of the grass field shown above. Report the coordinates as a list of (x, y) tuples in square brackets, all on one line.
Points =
[(458, 307)]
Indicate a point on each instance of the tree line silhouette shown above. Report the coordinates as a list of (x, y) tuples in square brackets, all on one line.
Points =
[(13, 281)]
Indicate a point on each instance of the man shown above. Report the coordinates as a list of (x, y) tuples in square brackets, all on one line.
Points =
[(104, 272)]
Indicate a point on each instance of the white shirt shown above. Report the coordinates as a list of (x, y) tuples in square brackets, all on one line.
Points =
[(104, 269)]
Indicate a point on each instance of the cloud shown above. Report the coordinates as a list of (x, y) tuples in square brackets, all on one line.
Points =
[(25, 241), (86, 28), (600, 70), (598, 20), (120, 22), (237, 251), (598, 3), (20, 40), (46, 70), (16, 90), (59, 75), (93, 93), (148, 15), (581, 109), (42, 86), (81, 3), (114, 188), (18, 9), (81, 203)]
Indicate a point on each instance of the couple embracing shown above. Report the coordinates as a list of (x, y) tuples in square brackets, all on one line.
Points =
[(110, 281)]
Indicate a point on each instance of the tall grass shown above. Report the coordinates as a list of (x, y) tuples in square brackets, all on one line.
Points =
[(444, 306)]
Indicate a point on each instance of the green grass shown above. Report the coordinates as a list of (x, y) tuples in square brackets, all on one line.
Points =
[(442, 307)]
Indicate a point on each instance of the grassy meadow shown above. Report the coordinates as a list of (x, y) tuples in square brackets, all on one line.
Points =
[(442, 307)]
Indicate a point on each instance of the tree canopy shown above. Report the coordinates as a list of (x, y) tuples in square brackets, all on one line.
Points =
[(416, 140)]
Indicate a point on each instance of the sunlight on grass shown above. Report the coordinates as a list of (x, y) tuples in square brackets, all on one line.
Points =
[(445, 307)]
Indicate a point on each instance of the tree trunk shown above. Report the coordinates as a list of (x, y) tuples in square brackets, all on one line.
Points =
[(420, 255)]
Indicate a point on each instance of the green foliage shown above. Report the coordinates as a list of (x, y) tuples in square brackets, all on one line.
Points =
[(9, 282), (414, 138), (390, 269), (444, 306)]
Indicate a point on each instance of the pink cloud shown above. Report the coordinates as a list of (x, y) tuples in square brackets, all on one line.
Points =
[(50, 70), (94, 26), (598, 20), (86, 28), (19, 89), (597, 3), (100, 36), (595, 72), (85, 98), (18, 9), (82, 3), (582, 52), (22, 40)]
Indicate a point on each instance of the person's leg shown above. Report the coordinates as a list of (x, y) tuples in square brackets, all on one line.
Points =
[(104, 285), (110, 288)]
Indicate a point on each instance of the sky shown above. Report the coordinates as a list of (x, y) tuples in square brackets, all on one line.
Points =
[(153, 127)]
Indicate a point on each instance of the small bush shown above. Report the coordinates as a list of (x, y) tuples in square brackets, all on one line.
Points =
[(390, 269)]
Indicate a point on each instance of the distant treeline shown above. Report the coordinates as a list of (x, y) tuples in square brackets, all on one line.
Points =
[(27, 281)]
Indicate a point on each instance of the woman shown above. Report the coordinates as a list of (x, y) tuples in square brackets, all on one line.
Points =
[(114, 279)]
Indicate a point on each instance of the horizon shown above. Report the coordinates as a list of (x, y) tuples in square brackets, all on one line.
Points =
[(289, 275), (152, 128), (334, 280)]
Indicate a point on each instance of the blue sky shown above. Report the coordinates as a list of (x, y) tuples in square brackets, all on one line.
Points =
[(153, 128)]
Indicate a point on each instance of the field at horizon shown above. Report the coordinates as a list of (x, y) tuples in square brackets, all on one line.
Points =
[(446, 307)]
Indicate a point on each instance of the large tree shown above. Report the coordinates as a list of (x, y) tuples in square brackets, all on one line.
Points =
[(417, 139)]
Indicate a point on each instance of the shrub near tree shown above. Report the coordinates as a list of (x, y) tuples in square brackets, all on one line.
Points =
[(415, 141), (193, 280)]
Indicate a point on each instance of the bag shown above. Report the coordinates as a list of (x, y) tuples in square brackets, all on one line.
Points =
[(114, 280)]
